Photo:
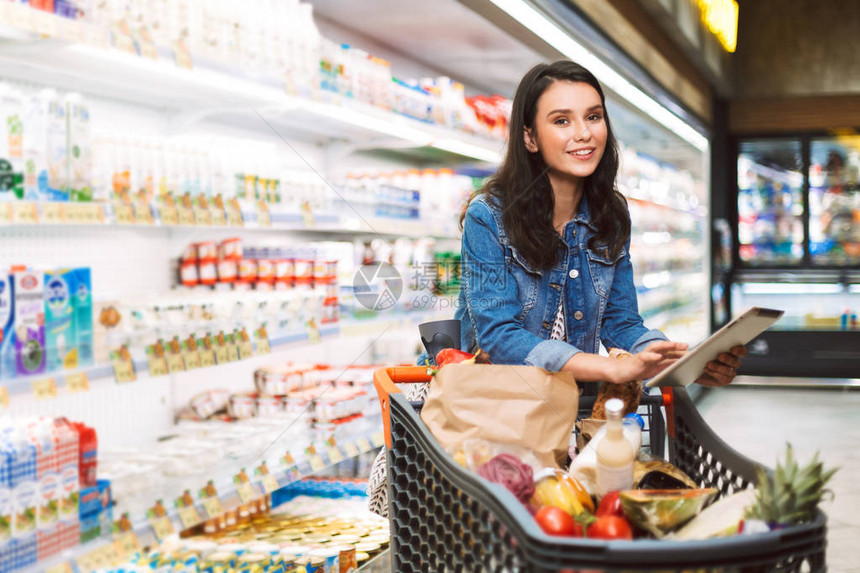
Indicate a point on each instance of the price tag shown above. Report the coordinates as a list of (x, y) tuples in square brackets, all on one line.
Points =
[(44, 388), (5, 213), (313, 331), (207, 358), (161, 527), (316, 462), (221, 354), (169, 215), (232, 352), (245, 350), (174, 363), (201, 217), (270, 483), (110, 555), (53, 213), (217, 217), (363, 445), (263, 346), (127, 544), (246, 492), (378, 439), (186, 216), (123, 371), (188, 516), (25, 213), (61, 568), (191, 358), (4, 397), (334, 454), (85, 213), (212, 505), (124, 214), (142, 213), (350, 449), (77, 382), (307, 214), (264, 219), (234, 216), (157, 366)]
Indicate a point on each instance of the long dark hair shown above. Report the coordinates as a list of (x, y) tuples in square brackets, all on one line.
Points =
[(522, 187)]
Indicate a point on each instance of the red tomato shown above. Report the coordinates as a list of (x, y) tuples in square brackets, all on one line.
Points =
[(610, 504), (452, 356), (555, 521), (610, 527)]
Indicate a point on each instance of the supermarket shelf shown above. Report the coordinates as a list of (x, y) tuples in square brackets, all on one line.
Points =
[(347, 327), (230, 93), (323, 223), (229, 497), (379, 564)]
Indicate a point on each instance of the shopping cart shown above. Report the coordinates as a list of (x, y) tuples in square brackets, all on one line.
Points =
[(446, 518)]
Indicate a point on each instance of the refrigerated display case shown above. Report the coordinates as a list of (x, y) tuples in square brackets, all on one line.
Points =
[(798, 249)]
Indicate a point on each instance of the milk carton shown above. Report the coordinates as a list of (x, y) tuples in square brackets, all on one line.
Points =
[(29, 322), (24, 484), (61, 343), (83, 302), (46, 149), (7, 324), (11, 144), (79, 149)]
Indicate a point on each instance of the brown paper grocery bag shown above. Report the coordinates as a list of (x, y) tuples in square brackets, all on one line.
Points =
[(524, 406)]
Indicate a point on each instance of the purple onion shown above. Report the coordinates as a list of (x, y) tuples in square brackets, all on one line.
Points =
[(509, 471)]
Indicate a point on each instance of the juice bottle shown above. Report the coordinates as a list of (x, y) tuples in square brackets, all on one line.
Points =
[(615, 453)]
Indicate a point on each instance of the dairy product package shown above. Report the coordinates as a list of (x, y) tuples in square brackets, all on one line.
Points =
[(29, 325), (83, 303), (7, 327), (46, 149), (61, 343), (79, 149), (11, 144)]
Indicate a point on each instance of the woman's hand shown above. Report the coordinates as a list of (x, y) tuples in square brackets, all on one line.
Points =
[(656, 357), (722, 371)]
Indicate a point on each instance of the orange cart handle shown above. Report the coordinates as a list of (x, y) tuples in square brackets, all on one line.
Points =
[(385, 380)]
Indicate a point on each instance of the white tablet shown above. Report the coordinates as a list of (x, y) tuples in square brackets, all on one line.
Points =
[(737, 332)]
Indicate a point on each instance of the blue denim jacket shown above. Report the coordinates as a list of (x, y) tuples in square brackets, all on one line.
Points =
[(507, 308)]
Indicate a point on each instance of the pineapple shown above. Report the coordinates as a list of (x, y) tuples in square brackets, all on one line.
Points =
[(792, 493)]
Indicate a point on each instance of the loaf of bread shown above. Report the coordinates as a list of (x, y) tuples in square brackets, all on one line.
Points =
[(629, 392)]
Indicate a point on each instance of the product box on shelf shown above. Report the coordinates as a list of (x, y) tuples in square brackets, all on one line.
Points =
[(61, 343), (7, 326), (83, 302), (80, 149), (29, 322), (11, 145)]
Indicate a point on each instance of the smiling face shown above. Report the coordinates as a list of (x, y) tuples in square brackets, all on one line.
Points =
[(569, 131)]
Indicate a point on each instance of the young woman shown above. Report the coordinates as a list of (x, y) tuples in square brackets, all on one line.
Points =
[(546, 271)]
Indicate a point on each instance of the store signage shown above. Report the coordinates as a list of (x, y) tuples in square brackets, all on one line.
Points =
[(721, 18)]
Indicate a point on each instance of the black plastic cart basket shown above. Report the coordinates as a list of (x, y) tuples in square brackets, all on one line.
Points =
[(445, 518)]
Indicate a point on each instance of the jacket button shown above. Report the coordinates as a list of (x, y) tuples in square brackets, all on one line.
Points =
[(577, 315), (573, 273)]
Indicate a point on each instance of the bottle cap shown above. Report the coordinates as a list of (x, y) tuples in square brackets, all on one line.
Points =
[(635, 418), (614, 406)]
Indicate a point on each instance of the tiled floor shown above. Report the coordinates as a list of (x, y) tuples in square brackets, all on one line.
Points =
[(758, 421)]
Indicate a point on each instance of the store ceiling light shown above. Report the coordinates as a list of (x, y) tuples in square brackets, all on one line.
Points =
[(791, 288), (549, 32)]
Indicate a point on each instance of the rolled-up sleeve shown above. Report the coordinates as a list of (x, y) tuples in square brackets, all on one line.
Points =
[(493, 301)]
